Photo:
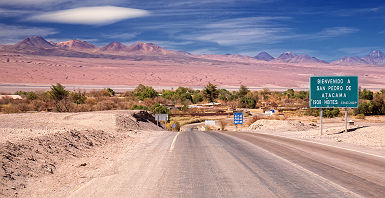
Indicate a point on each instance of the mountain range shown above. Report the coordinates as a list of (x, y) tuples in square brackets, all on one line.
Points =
[(37, 45)]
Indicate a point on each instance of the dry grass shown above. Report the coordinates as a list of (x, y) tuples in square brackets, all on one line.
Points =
[(187, 120)]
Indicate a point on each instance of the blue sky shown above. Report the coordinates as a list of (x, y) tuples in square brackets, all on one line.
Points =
[(327, 29)]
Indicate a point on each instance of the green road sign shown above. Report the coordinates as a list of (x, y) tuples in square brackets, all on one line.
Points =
[(333, 91)]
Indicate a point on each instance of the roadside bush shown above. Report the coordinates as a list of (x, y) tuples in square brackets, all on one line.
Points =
[(112, 92), (157, 108), (143, 92), (139, 107), (210, 92), (197, 98), (366, 94), (331, 113), (10, 108), (105, 105), (78, 97), (222, 124), (169, 126), (360, 116), (39, 105), (29, 95)]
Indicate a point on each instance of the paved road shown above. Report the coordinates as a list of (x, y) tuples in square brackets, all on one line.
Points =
[(211, 164)]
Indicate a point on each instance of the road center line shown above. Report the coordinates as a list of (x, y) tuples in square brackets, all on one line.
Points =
[(173, 143)]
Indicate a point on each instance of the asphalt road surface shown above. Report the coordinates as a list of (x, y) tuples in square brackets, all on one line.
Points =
[(212, 164)]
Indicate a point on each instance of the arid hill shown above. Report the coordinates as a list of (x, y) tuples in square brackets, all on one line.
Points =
[(36, 61)]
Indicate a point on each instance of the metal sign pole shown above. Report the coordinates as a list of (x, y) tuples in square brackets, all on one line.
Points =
[(346, 120), (321, 113)]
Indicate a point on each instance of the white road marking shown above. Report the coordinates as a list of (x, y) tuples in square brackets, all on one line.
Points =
[(338, 147), (173, 143), (299, 167)]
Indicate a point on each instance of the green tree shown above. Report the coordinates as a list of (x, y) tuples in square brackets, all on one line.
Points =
[(302, 95), (58, 92), (157, 108), (289, 93), (247, 102), (243, 90), (197, 98), (112, 92), (143, 92), (366, 94), (224, 94), (78, 97), (210, 92), (59, 95), (265, 93)]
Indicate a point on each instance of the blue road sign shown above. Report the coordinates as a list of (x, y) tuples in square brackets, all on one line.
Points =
[(238, 118)]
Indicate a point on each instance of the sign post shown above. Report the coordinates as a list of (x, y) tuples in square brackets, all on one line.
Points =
[(238, 119), (161, 117), (333, 92)]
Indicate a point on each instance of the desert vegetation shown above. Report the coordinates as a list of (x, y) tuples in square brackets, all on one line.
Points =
[(58, 99)]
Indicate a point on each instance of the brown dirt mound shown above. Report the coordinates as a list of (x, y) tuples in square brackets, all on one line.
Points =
[(34, 157), (137, 120)]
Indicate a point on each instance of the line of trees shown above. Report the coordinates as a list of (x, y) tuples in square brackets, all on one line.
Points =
[(147, 98)]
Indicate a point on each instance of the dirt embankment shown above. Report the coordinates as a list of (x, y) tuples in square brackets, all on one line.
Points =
[(39, 145)]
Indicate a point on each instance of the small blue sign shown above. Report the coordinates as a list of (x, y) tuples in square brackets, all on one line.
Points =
[(238, 118)]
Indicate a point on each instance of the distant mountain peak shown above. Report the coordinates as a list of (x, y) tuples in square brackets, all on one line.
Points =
[(355, 60), (33, 42), (376, 57), (114, 46), (75, 44), (264, 56), (290, 57), (148, 48)]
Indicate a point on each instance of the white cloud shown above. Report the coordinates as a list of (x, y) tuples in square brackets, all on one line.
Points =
[(241, 31), (10, 34), (335, 32), (126, 36), (100, 15), (357, 51), (204, 51), (29, 2), (13, 13)]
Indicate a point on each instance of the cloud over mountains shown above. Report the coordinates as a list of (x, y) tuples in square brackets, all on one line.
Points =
[(100, 15)]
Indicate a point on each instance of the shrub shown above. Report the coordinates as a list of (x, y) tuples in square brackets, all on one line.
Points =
[(210, 92), (243, 90), (143, 92), (222, 124), (331, 113), (366, 94), (247, 101), (58, 92), (78, 97), (10, 108), (112, 92), (360, 116), (157, 108), (169, 126), (139, 107), (197, 98)]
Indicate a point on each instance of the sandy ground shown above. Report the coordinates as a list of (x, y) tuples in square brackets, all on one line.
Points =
[(46, 70), (368, 134), (51, 153)]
